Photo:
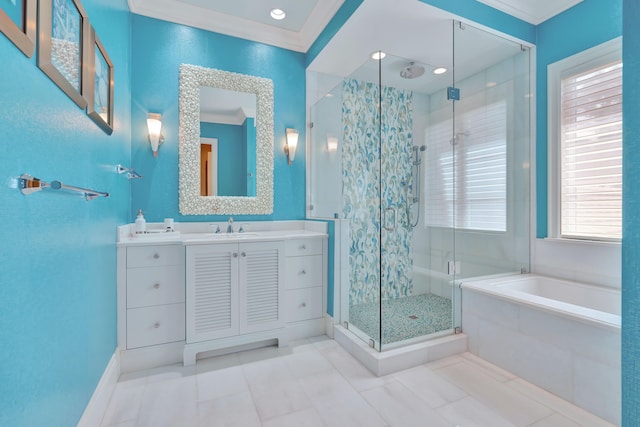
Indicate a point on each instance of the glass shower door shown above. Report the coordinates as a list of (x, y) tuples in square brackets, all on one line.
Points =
[(492, 151), (361, 210), (417, 236)]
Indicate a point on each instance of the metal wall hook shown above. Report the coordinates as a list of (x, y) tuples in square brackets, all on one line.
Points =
[(131, 174)]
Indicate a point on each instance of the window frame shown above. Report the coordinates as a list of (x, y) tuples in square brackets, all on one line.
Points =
[(599, 55)]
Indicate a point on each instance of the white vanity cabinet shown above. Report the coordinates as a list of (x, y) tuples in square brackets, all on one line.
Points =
[(234, 295), (304, 282), (151, 303), (194, 292)]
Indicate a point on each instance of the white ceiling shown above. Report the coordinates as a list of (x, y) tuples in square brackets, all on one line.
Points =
[(248, 19), (533, 11), (408, 31)]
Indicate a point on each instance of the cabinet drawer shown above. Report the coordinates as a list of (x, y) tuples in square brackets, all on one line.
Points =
[(304, 271), (310, 246), (303, 304), (155, 325), (154, 286), (152, 256)]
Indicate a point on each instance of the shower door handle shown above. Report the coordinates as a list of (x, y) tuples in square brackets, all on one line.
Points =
[(394, 215)]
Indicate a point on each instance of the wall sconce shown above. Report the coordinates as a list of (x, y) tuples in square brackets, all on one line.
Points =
[(154, 123), (291, 144), (332, 144)]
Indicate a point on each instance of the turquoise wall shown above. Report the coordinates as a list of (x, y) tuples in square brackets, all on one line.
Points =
[(631, 217), (58, 255), (158, 49), (560, 37)]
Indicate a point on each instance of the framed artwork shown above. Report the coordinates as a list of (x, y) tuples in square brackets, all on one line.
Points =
[(18, 23), (60, 44), (98, 80)]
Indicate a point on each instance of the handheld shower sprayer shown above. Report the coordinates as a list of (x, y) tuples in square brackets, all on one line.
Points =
[(414, 197)]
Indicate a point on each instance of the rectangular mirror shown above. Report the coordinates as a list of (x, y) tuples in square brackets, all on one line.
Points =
[(234, 175)]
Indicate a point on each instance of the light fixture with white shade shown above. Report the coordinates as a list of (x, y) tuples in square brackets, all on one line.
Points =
[(154, 123), (291, 144)]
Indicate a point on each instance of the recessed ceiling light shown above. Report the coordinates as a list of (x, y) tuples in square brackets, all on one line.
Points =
[(278, 14), (378, 55), (440, 70)]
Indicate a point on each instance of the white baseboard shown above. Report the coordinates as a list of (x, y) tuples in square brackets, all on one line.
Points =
[(97, 406)]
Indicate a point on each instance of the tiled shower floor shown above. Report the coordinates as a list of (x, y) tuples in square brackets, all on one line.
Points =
[(403, 318)]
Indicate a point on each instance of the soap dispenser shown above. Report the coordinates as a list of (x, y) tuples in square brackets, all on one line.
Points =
[(141, 223)]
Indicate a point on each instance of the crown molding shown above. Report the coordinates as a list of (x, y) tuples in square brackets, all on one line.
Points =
[(321, 15), (532, 11)]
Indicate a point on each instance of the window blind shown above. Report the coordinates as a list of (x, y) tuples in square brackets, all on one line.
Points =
[(467, 185), (591, 153)]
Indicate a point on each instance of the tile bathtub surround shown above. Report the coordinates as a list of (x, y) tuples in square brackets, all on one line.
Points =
[(578, 361), (315, 382)]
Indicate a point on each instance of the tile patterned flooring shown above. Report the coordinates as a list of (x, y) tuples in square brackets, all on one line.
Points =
[(315, 382), (403, 318)]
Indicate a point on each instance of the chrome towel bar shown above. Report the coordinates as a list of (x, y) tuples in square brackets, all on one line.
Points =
[(28, 185)]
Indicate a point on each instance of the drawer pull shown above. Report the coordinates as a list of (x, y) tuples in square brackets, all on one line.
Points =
[(235, 254), (303, 305), (303, 247), (243, 254), (156, 325), (303, 272), (156, 256), (156, 286)]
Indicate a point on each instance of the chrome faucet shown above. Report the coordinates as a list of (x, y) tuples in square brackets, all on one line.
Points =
[(230, 225)]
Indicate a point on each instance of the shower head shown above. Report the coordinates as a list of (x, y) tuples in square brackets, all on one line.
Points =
[(412, 71)]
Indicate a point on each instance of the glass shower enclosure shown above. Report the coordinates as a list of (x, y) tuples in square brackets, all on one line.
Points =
[(424, 166)]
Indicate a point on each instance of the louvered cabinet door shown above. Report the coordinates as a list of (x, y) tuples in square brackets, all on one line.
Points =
[(212, 291), (261, 293)]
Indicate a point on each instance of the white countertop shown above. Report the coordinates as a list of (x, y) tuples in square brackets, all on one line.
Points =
[(204, 232)]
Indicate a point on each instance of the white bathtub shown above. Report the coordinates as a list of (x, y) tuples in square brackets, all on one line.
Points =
[(586, 303), (560, 335)]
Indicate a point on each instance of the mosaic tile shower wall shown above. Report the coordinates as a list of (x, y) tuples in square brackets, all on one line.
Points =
[(361, 189)]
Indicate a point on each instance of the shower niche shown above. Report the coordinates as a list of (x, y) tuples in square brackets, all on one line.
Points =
[(422, 162)]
